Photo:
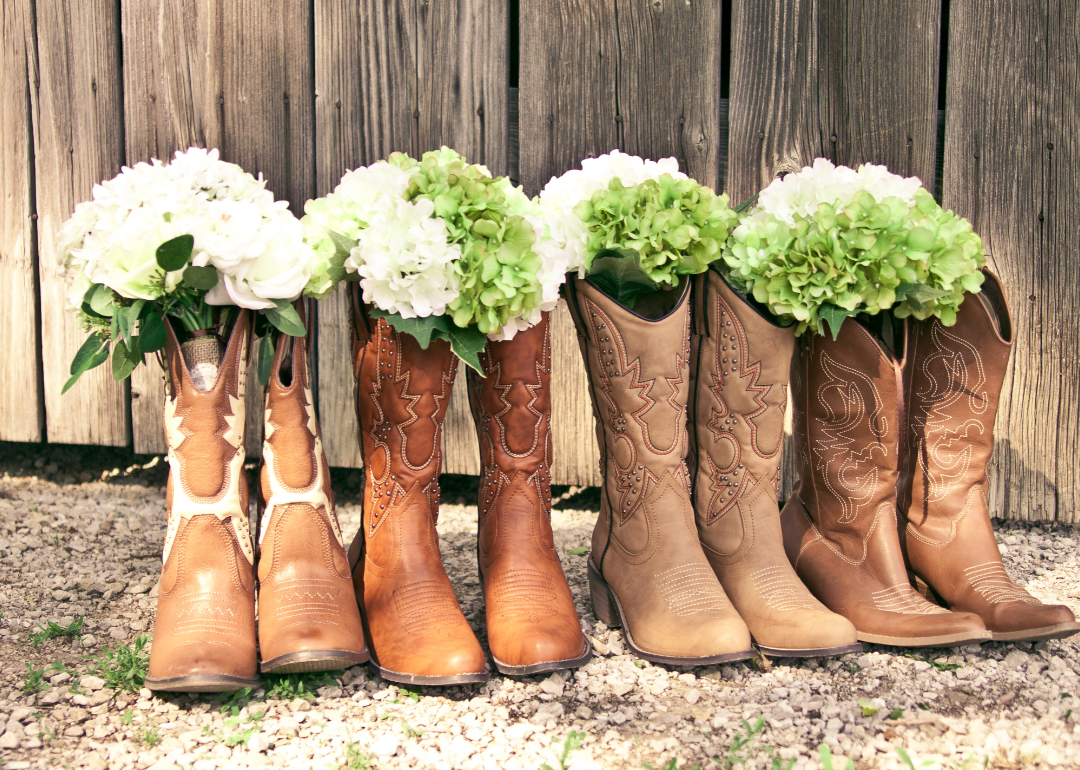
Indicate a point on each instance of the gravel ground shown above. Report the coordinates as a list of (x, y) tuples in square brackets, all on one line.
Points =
[(80, 537)]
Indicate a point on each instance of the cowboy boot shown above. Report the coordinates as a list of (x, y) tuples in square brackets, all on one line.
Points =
[(647, 572), (839, 525), (415, 629), (204, 631), (742, 361), (532, 623), (308, 617), (952, 383)]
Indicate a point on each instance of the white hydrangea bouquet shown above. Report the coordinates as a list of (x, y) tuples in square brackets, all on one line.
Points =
[(174, 241), (635, 226), (442, 249), (832, 242)]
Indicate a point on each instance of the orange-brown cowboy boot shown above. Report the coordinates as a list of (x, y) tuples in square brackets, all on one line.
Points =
[(742, 361), (952, 381), (308, 617), (416, 631), (840, 522), (532, 623), (647, 572), (204, 632)]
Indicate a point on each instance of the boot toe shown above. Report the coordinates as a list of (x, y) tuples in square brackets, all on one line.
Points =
[(536, 646), (806, 632), (1019, 621), (944, 629), (709, 637), (203, 661)]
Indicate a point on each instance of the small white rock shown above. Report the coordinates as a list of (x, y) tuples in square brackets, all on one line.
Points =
[(91, 683), (385, 747), (693, 696)]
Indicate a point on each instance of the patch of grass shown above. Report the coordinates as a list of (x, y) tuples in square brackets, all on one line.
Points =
[(827, 759), (232, 702), (55, 631), (356, 759), (745, 743), (291, 686), (123, 667), (854, 668), (896, 714), (149, 736), (35, 680), (572, 743), (909, 763), (671, 765), (245, 728), (410, 731), (127, 717), (936, 664)]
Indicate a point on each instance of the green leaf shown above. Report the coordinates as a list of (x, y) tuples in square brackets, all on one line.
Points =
[(746, 204), (151, 333), (123, 325), (467, 344), (201, 278), (618, 273), (834, 316), (285, 318), (421, 329), (89, 355), (896, 714), (579, 551), (266, 358), (343, 245), (125, 359), (868, 708), (175, 253), (103, 301)]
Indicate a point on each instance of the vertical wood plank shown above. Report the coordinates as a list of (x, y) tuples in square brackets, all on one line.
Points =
[(22, 404), (1012, 144), (854, 81), (640, 76), (237, 76), (78, 141)]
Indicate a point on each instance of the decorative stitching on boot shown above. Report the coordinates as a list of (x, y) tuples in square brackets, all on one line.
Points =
[(690, 589), (994, 584), (781, 590), (903, 599), (426, 606), (527, 593)]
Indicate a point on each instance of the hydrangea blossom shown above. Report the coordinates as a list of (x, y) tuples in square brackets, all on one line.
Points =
[(253, 241), (830, 242)]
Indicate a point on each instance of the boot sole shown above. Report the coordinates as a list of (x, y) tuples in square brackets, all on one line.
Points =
[(813, 652), (313, 660), (430, 681), (607, 609), (201, 683), (548, 665), (1060, 631), (944, 640)]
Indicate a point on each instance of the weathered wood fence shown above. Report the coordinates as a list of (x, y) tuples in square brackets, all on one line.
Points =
[(979, 98)]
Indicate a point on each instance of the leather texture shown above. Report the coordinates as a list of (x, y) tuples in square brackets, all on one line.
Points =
[(741, 364), (952, 380), (840, 530), (204, 631), (645, 544), (308, 615), (416, 630), (532, 622)]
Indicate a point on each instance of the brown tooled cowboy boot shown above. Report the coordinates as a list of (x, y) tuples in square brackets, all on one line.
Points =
[(742, 361), (952, 382), (308, 617), (647, 572), (840, 523), (416, 631), (204, 632), (532, 624)]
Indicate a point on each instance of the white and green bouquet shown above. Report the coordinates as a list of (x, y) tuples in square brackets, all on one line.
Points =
[(441, 249), (832, 242), (635, 226), (180, 241)]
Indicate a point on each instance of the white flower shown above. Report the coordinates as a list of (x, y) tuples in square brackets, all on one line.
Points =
[(405, 263), (562, 194), (280, 271)]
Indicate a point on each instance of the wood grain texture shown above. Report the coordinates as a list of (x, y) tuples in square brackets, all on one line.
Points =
[(854, 81), (231, 75), (22, 403), (1012, 146), (640, 76), (409, 76), (78, 141)]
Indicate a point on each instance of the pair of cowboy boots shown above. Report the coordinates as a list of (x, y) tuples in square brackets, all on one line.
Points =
[(893, 430), (205, 629), (415, 628), (690, 562)]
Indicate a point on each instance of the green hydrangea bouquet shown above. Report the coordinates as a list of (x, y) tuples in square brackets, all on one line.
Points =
[(635, 226), (832, 242), (442, 249)]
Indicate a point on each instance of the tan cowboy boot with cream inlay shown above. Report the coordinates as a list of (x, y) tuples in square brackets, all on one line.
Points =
[(308, 617), (204, 631), (742, 361), (952, 383), (647, 571)]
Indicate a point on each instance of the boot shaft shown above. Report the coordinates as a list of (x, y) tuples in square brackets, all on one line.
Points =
[(742, 364), (952, 384)]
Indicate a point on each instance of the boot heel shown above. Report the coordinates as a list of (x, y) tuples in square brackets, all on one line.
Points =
[(603, 601)]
